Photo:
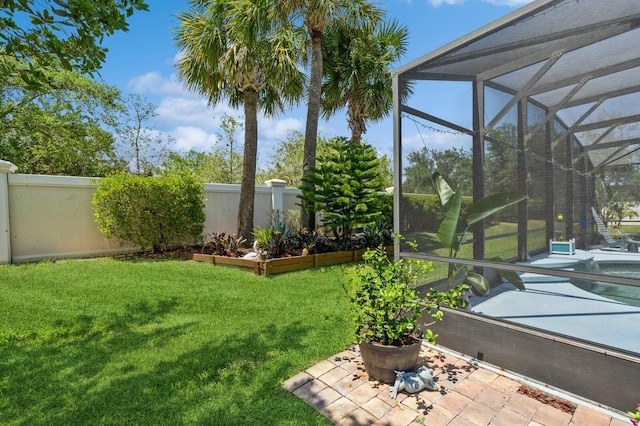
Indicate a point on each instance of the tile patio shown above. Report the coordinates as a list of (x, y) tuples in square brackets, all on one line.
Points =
[(471, 394)]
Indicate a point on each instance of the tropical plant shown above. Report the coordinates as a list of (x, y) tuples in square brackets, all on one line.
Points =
[(635, 416), (385, 306), (314, 242), (273, 241), (450, 237), (316, 16), (357, 64), (375, 234), (241, 51), (222, 244), (344, 187)]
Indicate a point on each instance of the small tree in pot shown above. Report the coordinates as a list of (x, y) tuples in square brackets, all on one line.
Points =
[(385, 309)]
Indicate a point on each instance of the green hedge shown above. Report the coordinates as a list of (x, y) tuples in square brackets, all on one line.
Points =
[(151, 212), (423, 212)]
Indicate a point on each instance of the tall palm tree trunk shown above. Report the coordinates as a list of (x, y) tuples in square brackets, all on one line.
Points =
[(313, 114), (248, 187), (355, 117)]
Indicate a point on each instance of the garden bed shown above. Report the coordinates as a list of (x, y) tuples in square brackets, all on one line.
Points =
[(285, 264)]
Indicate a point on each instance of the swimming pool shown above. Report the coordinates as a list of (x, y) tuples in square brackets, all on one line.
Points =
[(621, 293)]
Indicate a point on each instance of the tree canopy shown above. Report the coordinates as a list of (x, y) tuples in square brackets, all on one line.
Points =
[(357, 71), (64, 131), (453, 163), (35, 35)]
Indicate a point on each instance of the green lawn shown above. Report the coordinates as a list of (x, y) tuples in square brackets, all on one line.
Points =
[(169, 342), (504, 248)]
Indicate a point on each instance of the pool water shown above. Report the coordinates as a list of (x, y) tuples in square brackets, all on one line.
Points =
[(621, 293)]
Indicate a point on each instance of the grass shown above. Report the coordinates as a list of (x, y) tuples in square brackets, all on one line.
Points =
[(504, 248), (170, 342)]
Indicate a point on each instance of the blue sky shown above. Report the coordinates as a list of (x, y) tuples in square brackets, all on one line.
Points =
[(141, 61)]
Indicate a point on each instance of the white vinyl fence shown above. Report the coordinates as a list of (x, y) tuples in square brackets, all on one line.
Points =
[(49, 217)]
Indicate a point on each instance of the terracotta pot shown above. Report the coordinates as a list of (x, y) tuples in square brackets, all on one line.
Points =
[(382, 362)]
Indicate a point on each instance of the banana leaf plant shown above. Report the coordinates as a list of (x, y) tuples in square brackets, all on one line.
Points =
[(453, 240)]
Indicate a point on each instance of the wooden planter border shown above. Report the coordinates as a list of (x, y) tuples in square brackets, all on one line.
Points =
[(285, 264)]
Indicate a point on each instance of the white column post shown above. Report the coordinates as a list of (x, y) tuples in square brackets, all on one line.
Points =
[(5, 234), (277, 188)]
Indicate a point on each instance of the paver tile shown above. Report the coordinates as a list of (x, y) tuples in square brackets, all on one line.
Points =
[(399, 416), (353, 365), (348, 384), (340, 409), (507, 417), (438, 415), (359, 417), (587, 416), (505, 385), (309, 389), (618, 422), (345, 356), (417, 403), (523, 404), (454, 402), (377, 407), (334, 375), (492, 398), (478, 414), (324, 398), (547, 415), (296, 381), (469, 388), (320, 368), (461, 421), (483, 376), (362, 394)]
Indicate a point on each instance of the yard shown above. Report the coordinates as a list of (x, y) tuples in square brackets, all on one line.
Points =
[(162, 342)]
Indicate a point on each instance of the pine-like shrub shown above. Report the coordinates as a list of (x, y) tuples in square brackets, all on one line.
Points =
[(151, 212), (345, 187)]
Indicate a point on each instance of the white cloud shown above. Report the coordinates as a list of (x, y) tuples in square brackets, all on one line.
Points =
[(191, 111), (192, 138), (155, 83), (438, 3), (510, 3), (275, 128), (194, 124)]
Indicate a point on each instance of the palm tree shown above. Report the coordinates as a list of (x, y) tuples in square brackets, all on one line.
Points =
[(317, 15), (357, 72), (242, 52)]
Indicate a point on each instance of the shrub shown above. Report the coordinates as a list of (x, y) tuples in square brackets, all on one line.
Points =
[(345, 187), (151, 212), (424, 213)]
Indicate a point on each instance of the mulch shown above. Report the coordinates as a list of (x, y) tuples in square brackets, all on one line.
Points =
[(538, 395)]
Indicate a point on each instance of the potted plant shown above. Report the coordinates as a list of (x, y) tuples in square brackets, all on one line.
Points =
[(386, 307)]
